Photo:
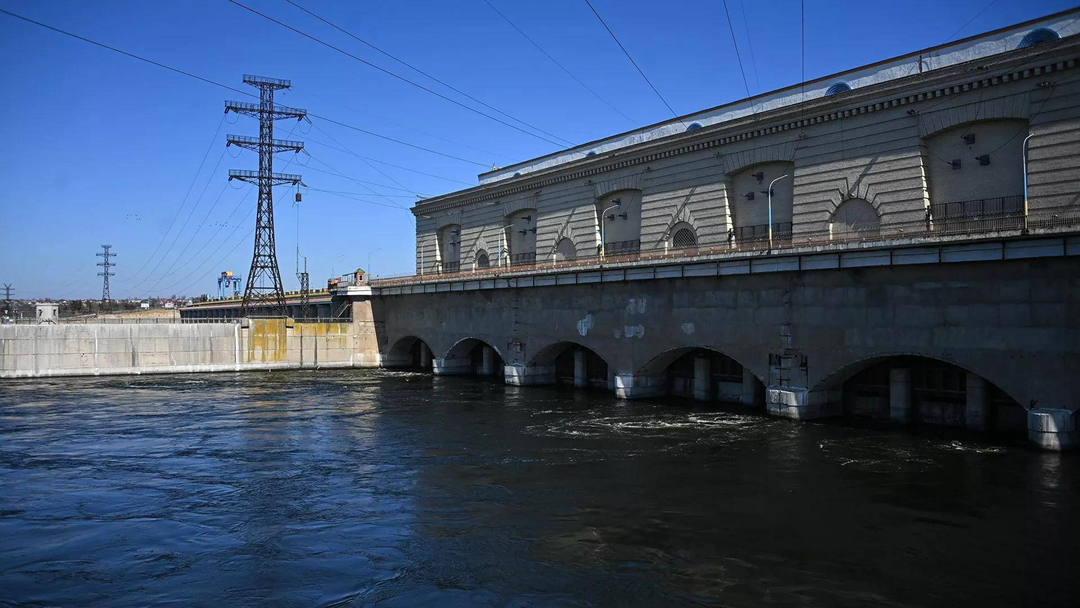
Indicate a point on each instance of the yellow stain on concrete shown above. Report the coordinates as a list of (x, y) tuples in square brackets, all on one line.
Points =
[(267, 340)]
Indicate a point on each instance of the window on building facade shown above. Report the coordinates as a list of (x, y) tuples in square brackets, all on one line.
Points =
[(683, 236), (748, 202), (482, 259), (1038, 36), (565, 250), (450, 248), (619, 220), (521, 236), (855, 218), (975, 175)]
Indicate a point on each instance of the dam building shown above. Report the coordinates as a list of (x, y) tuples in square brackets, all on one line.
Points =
[(900, 241)]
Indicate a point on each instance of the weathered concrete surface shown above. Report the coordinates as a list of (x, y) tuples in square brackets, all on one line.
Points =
[(28, 351), (1014, 323)]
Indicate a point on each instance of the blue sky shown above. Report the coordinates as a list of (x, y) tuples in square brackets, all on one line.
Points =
[(102, 148)]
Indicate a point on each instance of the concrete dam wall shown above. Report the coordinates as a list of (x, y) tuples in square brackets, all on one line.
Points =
[(31, 351)]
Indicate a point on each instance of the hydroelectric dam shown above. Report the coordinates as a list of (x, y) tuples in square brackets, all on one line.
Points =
[(899, 241)]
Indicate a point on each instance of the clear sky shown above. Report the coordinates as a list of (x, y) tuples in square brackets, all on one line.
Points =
[(103, 148)]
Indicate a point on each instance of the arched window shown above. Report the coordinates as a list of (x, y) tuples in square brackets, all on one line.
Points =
[(683, 236), (694, 126), (854, 218), (565, 250), (482, 259), (839, 87), (1038, 36)]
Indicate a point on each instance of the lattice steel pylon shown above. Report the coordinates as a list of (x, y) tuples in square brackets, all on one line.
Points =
[(264, 292), (106, 297), (7, 299), (305, 292)]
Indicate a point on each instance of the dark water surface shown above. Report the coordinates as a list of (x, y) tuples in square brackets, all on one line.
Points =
[(362, 487)]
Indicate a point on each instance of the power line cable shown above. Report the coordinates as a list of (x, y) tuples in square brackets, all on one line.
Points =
[(182, 203), (625, 52), (398, 141), (968, 22), (411, 128), (187, 246), (381, 162), (553, 60), (750, 43), (731, 28), (208, 80), (366, 162), (401, 78), (309, 167), (418, 70), (184, 225)]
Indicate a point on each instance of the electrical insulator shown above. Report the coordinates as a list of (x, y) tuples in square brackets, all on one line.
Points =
[(298, 196)]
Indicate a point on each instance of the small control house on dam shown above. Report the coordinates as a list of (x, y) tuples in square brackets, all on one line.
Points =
[(899, 241)]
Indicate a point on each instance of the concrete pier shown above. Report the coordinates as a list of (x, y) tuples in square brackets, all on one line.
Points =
[(487, 366), (517, 374), (977, 408), (1053, 429), (900, 395), (581, 377), (639, 386), (701, 378)]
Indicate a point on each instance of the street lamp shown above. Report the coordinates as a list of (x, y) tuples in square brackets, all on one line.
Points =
[(770, 207), (369, 261), (603, 231), (333, 264), (502, 237), (1025, 149)]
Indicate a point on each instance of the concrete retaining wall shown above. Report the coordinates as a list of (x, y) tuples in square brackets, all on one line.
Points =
[(30, 351)]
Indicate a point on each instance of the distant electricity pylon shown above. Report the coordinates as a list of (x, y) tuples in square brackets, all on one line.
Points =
[(105, 296), (7, 298), (305, 291), (264, 290)]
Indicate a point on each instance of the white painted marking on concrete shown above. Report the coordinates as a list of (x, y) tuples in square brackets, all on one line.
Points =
[(688, 328), (634, 331), (584, 325)]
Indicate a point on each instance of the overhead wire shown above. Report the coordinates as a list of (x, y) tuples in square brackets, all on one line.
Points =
[(183, 202), (209, 80), (627, 53), (364, 160), (968, 22), (422, 72), (184, 225), (409, 128), (738, 55), (404, 79), (239, 204), (750, 43), (382, 162), (555, 61)]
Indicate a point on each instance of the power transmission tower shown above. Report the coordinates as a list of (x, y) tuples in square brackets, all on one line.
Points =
[(105, 296), (305, 288), (264, 290), (7, 297)]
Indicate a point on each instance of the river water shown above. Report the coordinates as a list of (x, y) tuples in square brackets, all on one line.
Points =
[(374, 487)]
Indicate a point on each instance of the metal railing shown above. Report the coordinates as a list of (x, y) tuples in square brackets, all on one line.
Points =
[(1040, 221), (622, 247), (449, 267), (518, 259), (747, 234), (979, 215)]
